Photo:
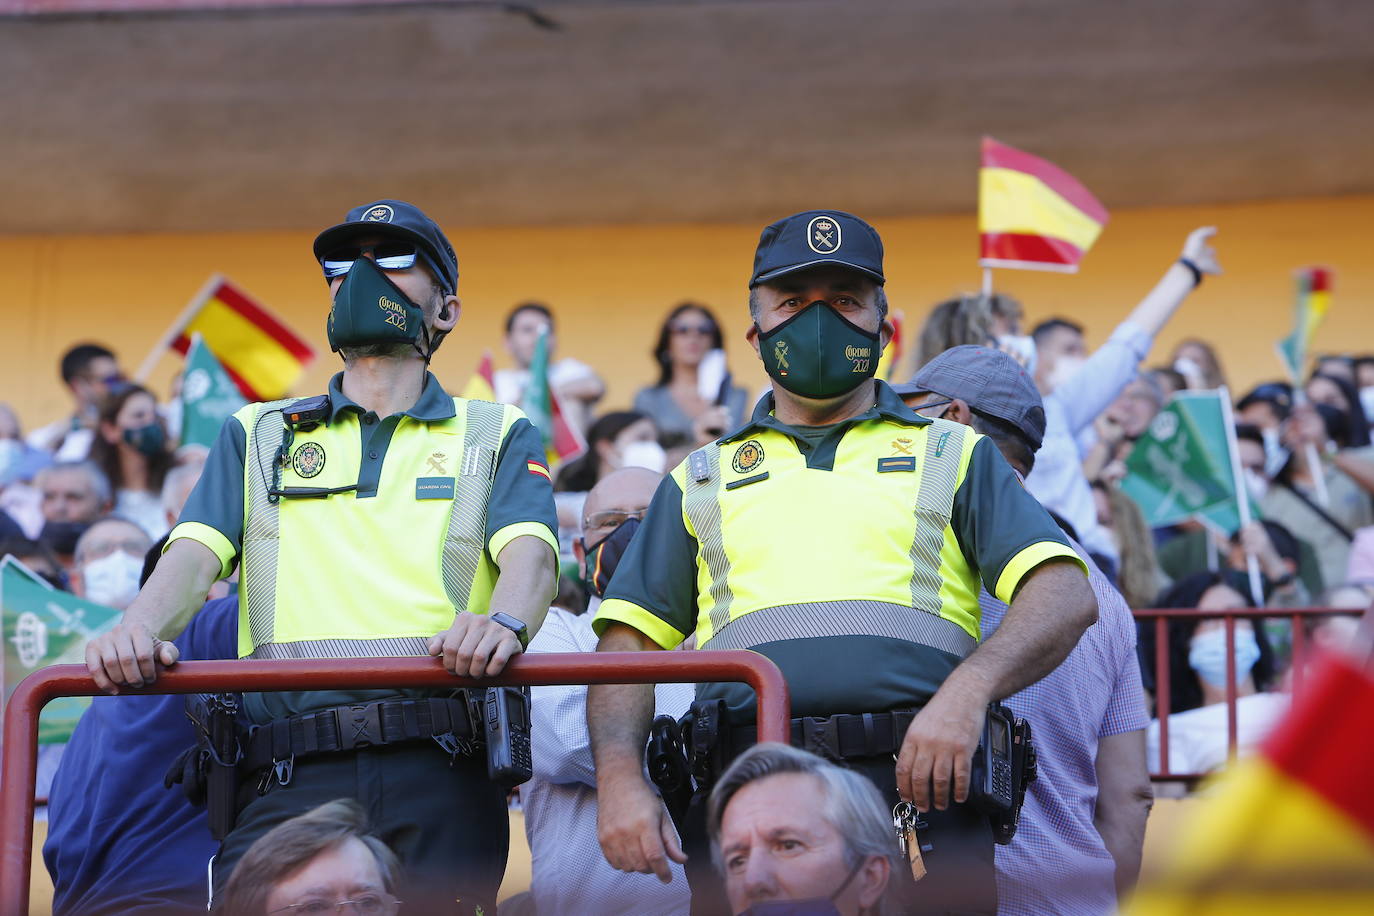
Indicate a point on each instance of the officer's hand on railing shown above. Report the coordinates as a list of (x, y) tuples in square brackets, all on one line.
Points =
[(128, 655), (937, 752), (475, 646), (634, 828)]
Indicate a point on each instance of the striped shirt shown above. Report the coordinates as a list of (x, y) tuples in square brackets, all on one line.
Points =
[(1057, 863)]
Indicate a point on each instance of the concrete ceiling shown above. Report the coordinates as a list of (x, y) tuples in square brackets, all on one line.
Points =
[(670, 110)]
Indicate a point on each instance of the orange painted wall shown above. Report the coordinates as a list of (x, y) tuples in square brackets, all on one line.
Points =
[(612, 285)]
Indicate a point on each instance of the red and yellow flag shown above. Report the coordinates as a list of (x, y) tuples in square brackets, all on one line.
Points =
[(1314, 298), (1032, 214), (481, 387), (1290, 830), (263, 356)]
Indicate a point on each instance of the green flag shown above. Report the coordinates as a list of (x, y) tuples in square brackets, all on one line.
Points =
[(1182, 468), (208, 396), (43, 626)]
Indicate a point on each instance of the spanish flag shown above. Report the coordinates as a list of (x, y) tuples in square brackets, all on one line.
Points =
[(1290, 830), (1314, 298), (1032, 214), (263, 356), (481, 387)]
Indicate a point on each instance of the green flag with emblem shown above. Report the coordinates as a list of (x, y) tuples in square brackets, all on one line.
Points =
[(208, 396), (1182, 466), (43, 626)]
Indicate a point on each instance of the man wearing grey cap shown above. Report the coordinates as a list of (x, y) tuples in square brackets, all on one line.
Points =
[(1083, 824), (384, 518), (846, 538)]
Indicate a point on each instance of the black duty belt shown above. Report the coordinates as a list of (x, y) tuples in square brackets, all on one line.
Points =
[(840, 737), (346, 728)]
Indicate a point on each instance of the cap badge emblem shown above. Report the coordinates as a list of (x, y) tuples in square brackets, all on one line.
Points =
[(379, 214), (747, 457), (308, 460), (823, 235)]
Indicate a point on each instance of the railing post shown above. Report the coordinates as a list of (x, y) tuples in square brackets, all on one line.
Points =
[(20, 761)]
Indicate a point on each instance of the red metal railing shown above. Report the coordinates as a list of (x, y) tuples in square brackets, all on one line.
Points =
[(21, 716), (1161, 617)]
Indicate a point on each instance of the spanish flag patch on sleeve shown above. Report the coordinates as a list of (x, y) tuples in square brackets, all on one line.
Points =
[(535, 467)]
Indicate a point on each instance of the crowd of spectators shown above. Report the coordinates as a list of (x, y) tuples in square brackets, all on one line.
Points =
[(83, 499)]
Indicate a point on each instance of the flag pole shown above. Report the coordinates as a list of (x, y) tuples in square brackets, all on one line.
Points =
[(1242, 494), (165, 342), (987, 283)]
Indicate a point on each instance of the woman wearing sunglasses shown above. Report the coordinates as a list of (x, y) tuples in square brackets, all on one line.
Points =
[(683, 414)]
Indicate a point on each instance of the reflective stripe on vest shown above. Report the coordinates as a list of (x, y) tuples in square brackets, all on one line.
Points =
[(701, 503), (918, 623), (934, 506), (262, 524), (467, 523), (464, 543)]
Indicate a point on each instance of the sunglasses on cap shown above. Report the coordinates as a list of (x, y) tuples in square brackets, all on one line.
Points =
[(389, 255)]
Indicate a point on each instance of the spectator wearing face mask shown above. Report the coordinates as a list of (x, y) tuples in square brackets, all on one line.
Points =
[(620, 439), (1265, 407), (1288, 567), (91, 375), (132, 450), (72, 496), (793, 833), (1364, 381), (1197, 654), (1340, 393), (1077, 390), (684, 414), (577, 384), (109, 561), (1196, 360), (568, 872), (1294, 500)]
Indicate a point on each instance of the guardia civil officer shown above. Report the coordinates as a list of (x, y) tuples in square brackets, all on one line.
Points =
[(845, 537), (384, 518)]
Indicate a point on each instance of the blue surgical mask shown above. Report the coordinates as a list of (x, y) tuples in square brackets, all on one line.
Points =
[(1207, 656)]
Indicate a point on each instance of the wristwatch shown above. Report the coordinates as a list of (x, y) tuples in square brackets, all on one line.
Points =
[(516, 626)]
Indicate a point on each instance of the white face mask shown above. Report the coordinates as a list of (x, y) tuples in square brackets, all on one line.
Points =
[(1065, 368), (1367, 401), (1256, 483), (1275, 455), (644, 455), (112, 580)]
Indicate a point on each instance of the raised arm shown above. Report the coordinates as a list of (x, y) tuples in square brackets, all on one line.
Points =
[(1112, 366)]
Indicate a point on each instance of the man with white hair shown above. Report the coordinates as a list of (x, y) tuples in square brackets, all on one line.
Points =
[(836, 852)]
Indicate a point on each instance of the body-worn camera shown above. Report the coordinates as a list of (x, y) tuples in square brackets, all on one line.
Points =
[(506, 723), (1003, 766)]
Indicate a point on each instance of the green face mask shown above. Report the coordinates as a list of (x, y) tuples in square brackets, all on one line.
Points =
[(370, 309), (818, 354)]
